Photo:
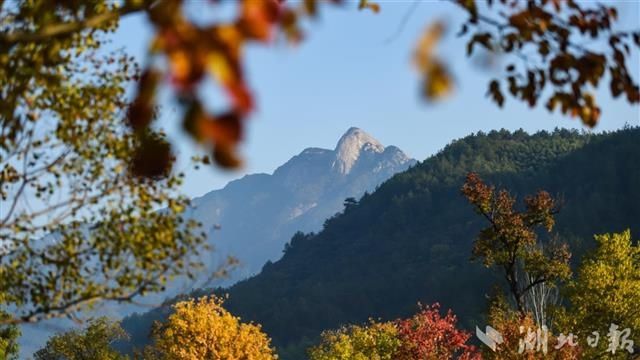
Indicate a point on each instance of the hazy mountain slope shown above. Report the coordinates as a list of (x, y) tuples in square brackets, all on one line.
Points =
[(259, 213), (410, 240)]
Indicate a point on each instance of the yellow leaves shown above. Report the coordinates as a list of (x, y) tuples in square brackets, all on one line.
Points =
[(426, 45), (606, 289), (219, 66), (437, 82), (374, 341), (203, 329)]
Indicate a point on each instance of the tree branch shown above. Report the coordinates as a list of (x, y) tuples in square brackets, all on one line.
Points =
[(63, 29)]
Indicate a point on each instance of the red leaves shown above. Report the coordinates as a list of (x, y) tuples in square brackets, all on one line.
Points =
[(193, 52), (428, 335)]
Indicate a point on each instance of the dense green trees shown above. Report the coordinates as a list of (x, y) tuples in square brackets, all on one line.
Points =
[(411, 239)]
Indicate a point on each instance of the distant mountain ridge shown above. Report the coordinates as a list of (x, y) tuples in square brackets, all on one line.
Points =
[(252, 218), (259, 213), (410, 241)]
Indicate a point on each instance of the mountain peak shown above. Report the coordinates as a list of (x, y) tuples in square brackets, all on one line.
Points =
[(349, 147)]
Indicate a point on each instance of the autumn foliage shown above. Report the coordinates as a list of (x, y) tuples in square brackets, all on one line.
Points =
[(554, 51), (203, 329), (515, 329), (197, 52), (428, 335), (377, 341), (510, 241)]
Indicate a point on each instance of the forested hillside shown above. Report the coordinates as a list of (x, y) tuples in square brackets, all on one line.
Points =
[(410, 241)]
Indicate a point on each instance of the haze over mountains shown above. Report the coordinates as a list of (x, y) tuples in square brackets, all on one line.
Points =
[(252, 218), (259, 213), (411, 240)]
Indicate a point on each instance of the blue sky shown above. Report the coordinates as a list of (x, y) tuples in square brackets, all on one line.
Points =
[(346, 73)]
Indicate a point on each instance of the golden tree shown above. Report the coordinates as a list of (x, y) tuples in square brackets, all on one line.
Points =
[(203, 329), (606, 293)]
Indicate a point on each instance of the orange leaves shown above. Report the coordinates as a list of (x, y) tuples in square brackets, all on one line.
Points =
[(437, 82), (140, 112), (483, 39), (366, 4), (194, 52), (554, 29), (477, 192), (510, 240), (257, 18), (222, 132)]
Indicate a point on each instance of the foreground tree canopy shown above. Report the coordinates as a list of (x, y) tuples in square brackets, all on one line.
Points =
[(75, 226), (542, 41)]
